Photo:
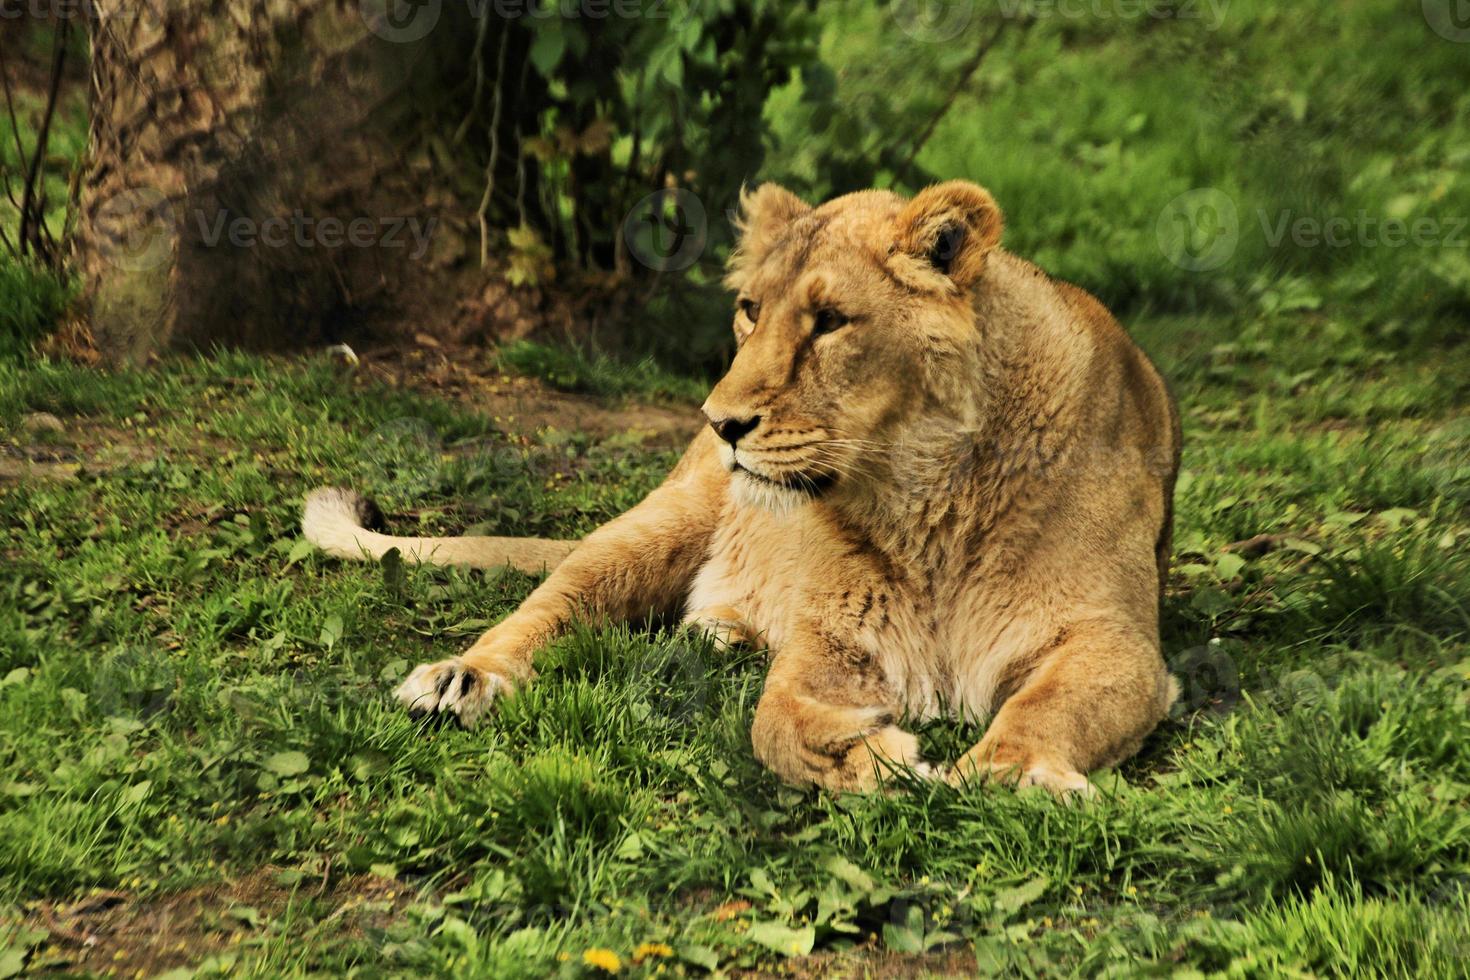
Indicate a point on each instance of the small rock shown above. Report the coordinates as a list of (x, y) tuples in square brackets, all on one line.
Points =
[(344, 356), (39, 423)]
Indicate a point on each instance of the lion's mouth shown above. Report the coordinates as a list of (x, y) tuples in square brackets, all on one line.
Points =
[(811, 484)]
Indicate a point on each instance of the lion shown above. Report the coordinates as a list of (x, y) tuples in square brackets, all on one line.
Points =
[(935, 482)]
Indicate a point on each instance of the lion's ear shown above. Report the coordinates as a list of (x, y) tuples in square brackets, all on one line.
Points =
[(945, 233), (765, 214)]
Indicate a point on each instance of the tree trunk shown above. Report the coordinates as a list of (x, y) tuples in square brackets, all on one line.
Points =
[(247, 182)]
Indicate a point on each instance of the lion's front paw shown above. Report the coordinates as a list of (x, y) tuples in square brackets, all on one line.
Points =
[(1064, 783), (451, 686), (1060, 782)]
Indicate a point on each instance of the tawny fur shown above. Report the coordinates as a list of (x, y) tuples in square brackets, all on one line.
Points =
[(956, 499), (333, 521)]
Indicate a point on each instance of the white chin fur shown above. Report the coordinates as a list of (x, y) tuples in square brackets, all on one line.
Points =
[(748, 491)]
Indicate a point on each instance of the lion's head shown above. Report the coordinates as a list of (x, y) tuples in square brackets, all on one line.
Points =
[(852, 319)]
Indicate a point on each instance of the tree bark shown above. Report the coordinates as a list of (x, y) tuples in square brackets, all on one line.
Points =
[(233, 147)]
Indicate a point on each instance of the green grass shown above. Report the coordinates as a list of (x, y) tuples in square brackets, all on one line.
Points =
[(32, 300), (189, 695), (32, 297), (580, 370), (194, 706), (1085, 128)]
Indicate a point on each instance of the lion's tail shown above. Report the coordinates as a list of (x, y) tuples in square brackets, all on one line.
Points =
[(335, 520)]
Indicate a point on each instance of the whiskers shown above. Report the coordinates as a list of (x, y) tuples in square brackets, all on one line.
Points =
[(832, 459), (817, 463)]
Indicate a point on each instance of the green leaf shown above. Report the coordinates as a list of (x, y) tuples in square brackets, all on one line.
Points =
[(631, 849), (902, 939), (12, 961), (299, 551), (395, 577), (1397, 517), (245, 914), (783, 939), (701, 956), (1017, 898), (331, 631), (368, 763), (1228, 565), (287, 763), (761, 881), (992, 955), (547, 51), (855, 878)]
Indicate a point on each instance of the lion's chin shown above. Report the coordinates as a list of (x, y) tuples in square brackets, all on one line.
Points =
[(751, 489)]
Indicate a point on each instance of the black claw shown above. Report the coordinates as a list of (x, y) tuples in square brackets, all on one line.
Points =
[(448, 679), (467, 684)]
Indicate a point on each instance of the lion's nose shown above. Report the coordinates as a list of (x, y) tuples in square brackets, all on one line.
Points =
[(731, 429)]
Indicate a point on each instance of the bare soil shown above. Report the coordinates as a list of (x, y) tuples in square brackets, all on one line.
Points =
[(126, 934)]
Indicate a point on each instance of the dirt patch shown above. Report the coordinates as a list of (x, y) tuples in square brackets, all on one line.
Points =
[(871, 963), (127, 935), (523, 405), (63, 453), (519, 406)]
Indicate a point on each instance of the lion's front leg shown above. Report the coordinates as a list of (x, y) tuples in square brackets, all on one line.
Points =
[(826, 717), (1089, 703), (638, 564)]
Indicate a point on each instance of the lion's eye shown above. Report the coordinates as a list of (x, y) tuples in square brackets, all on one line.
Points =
[(826, 321), (751, 309)]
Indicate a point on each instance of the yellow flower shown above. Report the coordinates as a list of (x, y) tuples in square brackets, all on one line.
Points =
[(603, 959), (645, 950)]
